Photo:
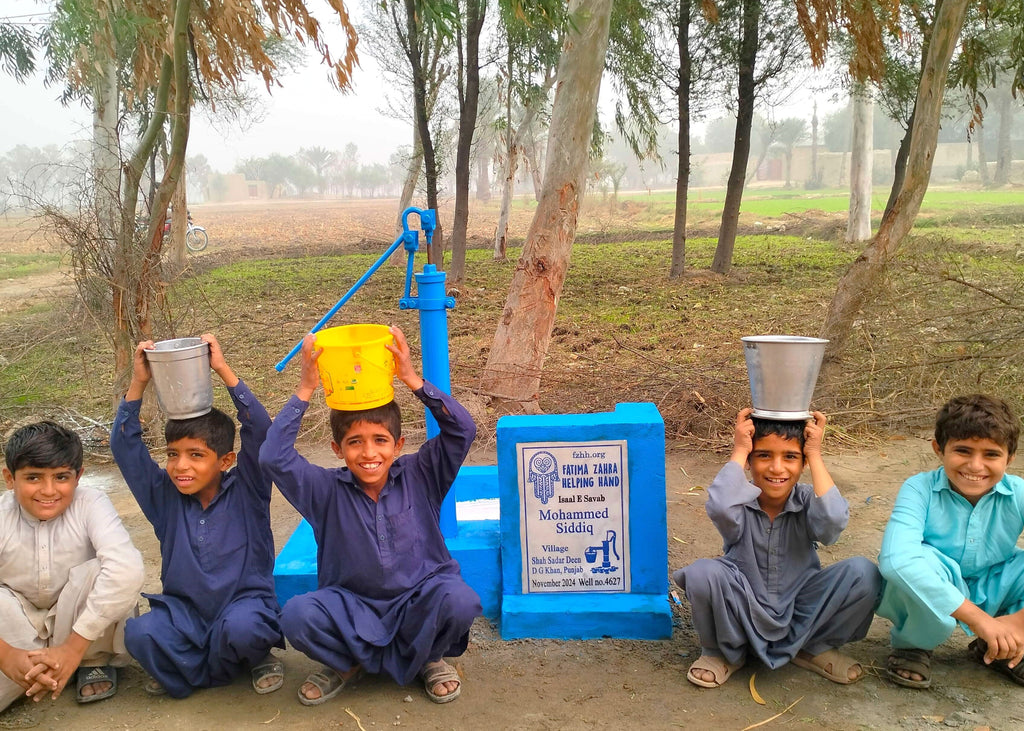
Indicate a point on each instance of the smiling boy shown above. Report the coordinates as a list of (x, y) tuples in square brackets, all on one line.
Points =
[(390, 597), (768, 595), (950, 555), (218, 614), (69, 574)]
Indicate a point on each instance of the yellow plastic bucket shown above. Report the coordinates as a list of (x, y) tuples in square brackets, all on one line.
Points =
[(356, 370)]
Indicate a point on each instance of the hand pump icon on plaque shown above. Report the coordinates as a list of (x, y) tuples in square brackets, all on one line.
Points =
[(607, 548)]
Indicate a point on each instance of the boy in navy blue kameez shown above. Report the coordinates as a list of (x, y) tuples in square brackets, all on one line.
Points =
[(218, 613), (390, 598)]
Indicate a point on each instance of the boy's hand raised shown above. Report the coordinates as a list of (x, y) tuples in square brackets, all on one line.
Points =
[(743, 437), (141, 374), (814, 433), (309, 377), (403, 361), (218, 363)]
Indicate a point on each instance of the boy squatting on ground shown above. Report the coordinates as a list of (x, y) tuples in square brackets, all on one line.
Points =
[(218, 613), (949, 553), (69, 574), (390, 598), (768, 595)]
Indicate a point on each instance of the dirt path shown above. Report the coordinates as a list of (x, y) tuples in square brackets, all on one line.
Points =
[(602, 684)]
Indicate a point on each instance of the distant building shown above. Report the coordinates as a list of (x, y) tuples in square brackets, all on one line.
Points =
[(233, 187)]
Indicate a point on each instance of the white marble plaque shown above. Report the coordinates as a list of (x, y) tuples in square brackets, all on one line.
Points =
[(574, 525)]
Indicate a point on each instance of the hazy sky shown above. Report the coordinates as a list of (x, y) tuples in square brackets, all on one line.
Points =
[(304, 112)]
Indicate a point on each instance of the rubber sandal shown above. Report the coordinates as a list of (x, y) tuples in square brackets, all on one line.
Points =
[(96, 674), (440, 672), (841, 664), (911, 660), (153, 687), (270, 667), (979, 647), (329, 682), (715, 665)]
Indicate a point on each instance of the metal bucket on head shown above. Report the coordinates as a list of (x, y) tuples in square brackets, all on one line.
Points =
[(181, 376), (782, 370)]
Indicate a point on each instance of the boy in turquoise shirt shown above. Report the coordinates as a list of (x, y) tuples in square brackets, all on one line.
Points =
[(949, 554)]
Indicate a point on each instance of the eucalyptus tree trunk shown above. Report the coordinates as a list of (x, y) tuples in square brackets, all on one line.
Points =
[(179, 226), (868, 269), (858, 225), (524, 331), (678, 265), (435, 253), (513, 149), (469, 98), (1004, 150), (722, 261)]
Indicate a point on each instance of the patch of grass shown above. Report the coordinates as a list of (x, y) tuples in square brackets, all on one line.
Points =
[(624, 331), (15, 266)]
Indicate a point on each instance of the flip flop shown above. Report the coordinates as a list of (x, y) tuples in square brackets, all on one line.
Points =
[(913, 660), (269, 668), (440, 672), (841, 664), (329, 682), (715, 665), (979, 647), (98, 674)]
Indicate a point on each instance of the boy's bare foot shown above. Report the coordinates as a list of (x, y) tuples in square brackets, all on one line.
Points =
[(325, 683)]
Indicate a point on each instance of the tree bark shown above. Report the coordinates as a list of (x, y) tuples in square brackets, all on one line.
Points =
[(524, 331), (982, 156), (179, 226), (722, 261), (1004, 150), (435, 252), (469, 97), (858, 225), (864, 274), (678, 265)]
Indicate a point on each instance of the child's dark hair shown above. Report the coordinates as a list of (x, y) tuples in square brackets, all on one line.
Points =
[(784, 429), (388, 416), (215, 428), (44, 444), (977, 416)]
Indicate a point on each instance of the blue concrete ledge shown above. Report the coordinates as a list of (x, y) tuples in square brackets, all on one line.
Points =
[(582, 616), (476, 482)]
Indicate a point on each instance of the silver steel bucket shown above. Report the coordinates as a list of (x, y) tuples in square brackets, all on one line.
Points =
[(181, 376), (783, 370)]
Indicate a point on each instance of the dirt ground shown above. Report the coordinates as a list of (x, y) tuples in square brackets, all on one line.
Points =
[(613, 684)]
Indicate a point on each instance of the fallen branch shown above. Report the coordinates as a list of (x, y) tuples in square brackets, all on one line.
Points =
[(780, 713)]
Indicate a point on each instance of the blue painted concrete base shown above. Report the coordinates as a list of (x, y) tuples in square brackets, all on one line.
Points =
[(586, 617), (295, 567), (477, 548)]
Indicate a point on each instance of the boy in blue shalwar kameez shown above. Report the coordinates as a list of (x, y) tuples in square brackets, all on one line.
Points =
[(218, 613), (949, 555), (391, 598), (768, 596)]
